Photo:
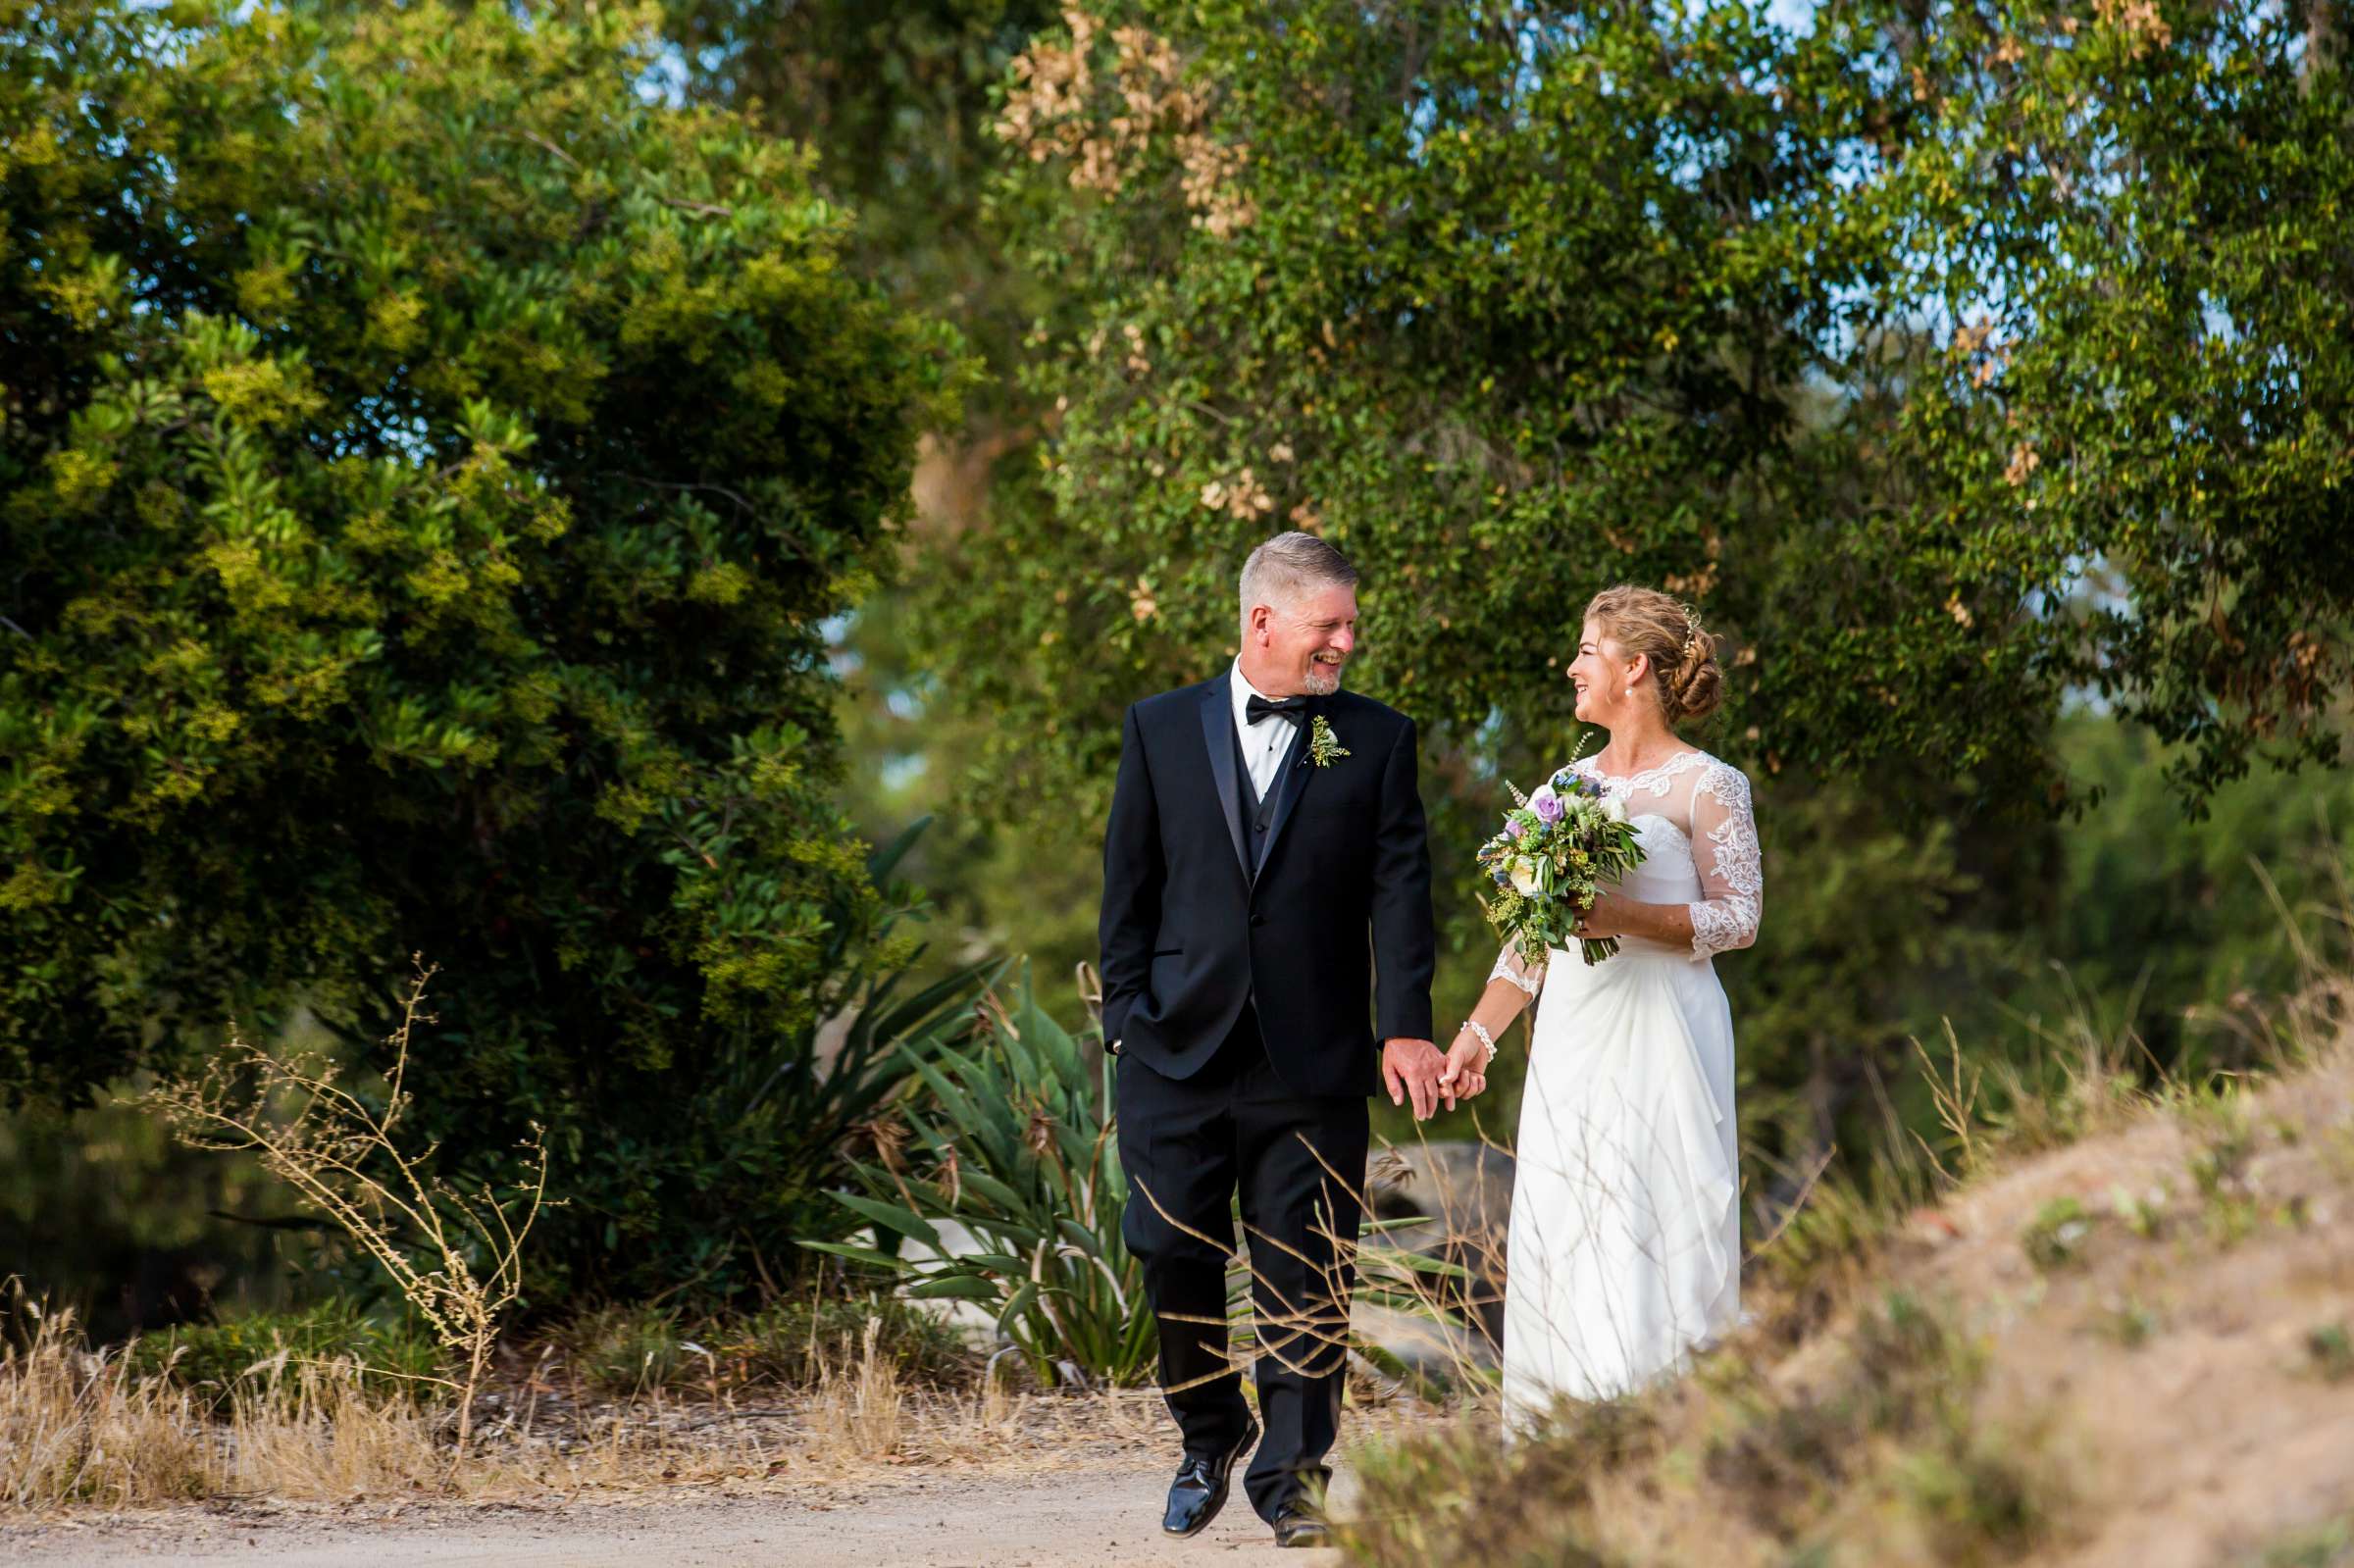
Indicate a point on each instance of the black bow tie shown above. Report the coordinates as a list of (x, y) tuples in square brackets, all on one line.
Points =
[(1258, 707)]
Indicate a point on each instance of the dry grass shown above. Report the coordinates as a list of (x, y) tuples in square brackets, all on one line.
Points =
[(79, 1429), (76, 1428), (636, 1351), (858, 1406), (1984, 1357)]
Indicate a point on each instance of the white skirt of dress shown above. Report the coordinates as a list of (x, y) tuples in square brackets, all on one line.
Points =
[(1626, 1242)]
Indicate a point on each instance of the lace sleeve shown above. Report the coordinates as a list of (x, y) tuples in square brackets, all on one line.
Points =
[(1510, 965), (1732, 875)]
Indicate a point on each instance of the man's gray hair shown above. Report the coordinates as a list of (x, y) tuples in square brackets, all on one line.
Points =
[(1288, 567)]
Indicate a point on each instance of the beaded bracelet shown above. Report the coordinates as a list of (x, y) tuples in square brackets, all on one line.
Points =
[(1485, 1039)]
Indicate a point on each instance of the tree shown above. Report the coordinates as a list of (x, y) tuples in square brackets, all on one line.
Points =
[(893, 102), (2132, 228), (1924, 351), (428, 464)]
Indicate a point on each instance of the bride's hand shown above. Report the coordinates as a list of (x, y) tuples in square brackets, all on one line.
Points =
[(1608, 917), (1466, 1074)]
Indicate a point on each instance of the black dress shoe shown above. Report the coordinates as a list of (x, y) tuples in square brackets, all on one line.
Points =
[(1200, 1490), (1301, 1523)]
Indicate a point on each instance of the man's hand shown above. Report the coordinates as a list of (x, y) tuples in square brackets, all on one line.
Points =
[(1467, 1070), (1410, 1068)]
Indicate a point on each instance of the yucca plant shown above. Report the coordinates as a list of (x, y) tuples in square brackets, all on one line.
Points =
[(804, 1095), (1014, 1139)]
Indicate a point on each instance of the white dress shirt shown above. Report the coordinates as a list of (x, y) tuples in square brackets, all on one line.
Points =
[(1264, 742)]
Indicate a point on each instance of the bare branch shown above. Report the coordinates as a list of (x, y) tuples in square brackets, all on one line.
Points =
[(330, 1148)]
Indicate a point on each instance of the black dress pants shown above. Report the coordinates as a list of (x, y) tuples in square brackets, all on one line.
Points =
[(1298, 1162)]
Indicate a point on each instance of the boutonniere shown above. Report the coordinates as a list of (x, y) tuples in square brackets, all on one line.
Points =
[(1324, 748)]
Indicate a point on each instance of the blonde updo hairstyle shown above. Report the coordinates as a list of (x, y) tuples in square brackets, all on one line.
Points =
[(1682, 653)]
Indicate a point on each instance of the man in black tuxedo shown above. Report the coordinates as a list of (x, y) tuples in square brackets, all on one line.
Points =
[(1263, 826)]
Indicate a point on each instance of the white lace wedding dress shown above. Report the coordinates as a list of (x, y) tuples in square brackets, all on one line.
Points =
[(1625, 1246)]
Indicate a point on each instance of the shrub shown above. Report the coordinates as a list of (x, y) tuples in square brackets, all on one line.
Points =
[(455, 1253), (396, 1356), (428, 466), (1891, 1421), (791, 1343), (2330, 1351), (624, 1352), (2054, 1239), (627, 1350)]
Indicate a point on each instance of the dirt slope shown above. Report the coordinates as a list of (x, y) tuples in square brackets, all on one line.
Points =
[(2185, 1337)]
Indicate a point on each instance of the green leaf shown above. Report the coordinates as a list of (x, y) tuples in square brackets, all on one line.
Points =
[(892, 1217), (953, 1286), (1017, 1304), (859, 1255)]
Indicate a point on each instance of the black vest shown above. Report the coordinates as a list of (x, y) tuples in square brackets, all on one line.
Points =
[(1258, 815)]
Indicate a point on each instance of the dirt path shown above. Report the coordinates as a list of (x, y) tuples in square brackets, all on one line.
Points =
[(1080, 1519)]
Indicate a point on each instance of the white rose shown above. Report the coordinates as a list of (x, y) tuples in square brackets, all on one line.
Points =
[(1613, 808), (1524, 876)]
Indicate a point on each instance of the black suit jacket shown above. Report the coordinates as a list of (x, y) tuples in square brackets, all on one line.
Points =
[(1336, 915)]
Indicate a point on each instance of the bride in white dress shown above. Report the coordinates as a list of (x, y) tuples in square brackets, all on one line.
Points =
[(1626, 1242)]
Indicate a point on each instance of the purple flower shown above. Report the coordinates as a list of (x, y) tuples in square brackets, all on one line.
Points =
[(1512, 827), (1549, 807)]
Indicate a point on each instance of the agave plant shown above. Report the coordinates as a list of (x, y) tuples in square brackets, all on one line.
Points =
[(788, 1109), (1014, 1143)]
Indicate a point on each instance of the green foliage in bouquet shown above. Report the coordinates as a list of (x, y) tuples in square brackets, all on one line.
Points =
[(1014, 1139), (1560, 848), (428, 464)]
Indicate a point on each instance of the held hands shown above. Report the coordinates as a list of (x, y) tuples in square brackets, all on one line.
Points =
[(1466, 1071), (1416, 1069), (1410, 1068)]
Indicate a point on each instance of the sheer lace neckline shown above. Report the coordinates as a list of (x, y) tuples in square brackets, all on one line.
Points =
[(1629, 780)]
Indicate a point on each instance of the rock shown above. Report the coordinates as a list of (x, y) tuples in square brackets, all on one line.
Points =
[(1438, 1349), (1468, 1185), (1460, 1197), (970, 1318)]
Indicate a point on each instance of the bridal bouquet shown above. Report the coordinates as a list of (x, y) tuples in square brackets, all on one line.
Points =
[(1557, 849)]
